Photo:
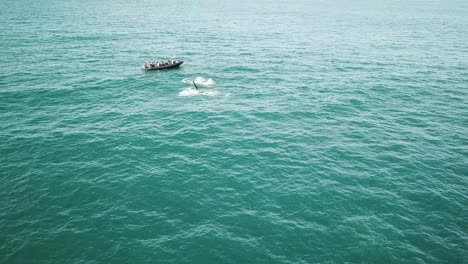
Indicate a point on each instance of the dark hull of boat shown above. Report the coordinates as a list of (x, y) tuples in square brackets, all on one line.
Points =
[(175, 65)]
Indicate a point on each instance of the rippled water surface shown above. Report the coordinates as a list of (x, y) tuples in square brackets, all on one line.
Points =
[(330, 132)]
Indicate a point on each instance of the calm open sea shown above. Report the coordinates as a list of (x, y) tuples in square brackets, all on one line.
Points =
[(325, 132)]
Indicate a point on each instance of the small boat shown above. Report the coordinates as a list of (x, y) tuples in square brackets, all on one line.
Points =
[(161, 65)]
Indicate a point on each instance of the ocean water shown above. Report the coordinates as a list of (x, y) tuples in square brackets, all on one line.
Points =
[(324, 132)]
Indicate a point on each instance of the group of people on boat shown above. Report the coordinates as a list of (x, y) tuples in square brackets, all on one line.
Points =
[(155, 63)]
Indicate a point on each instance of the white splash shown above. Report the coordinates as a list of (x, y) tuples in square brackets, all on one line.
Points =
[(201, 81), (193, 92)]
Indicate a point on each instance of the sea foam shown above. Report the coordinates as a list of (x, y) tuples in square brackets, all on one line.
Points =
[(193, 92), (201, 81)]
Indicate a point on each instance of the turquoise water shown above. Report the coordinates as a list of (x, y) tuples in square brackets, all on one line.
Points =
[(336, 131)]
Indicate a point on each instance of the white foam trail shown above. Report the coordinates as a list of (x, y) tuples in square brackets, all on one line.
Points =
[(193, 92), (201, 81)]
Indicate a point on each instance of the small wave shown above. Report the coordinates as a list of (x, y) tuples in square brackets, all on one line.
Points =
[(193, 92), (201, 81), (242, 69)]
